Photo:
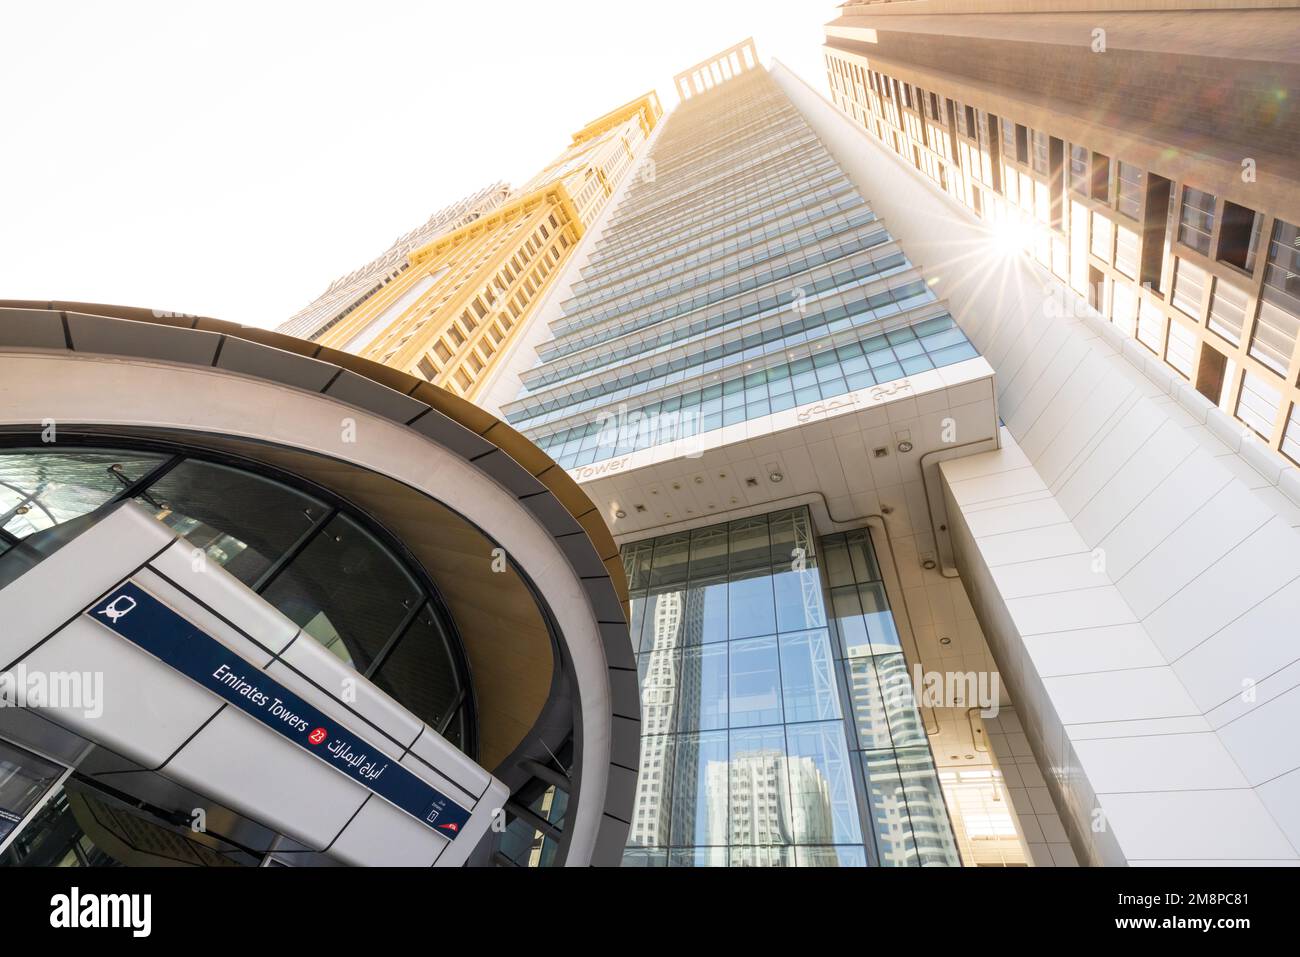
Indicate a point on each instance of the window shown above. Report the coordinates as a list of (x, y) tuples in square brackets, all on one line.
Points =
[(346, 591), (39, 489), (747, 754), (1079, 169), (1196, 220), (1278, 320), (1258, 404), (1022, 144), (1291, 437), (194, 500), (1151, 325), (1227, 311), (1008, 133), (1103, 236), (1130, 189), (1124, 308), (1126, 251), (1239, 236), (427, 368), (1181, 350), (1189, 288), (25, 779), (1101, 177), (1041, 163)]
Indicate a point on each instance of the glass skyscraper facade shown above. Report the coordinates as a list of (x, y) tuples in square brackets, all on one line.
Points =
[(743, 275), (777, 729)]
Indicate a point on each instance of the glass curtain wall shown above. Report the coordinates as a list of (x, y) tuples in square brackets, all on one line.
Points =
[(750, 754), (908, 817)]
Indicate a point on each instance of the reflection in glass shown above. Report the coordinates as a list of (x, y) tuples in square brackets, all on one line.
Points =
[(644, 857), (651, 813), (821, 785), (24, 779), (762, 857), (908, 811), (705, 615), (661, 623), (699, 805), (752, 611), (884, 704), (750, 596), (670, 557), (755, 683), (748, 758), (808, 677), (40, 489), (657, 675), (852, 856), (697, 857), (760, 788), (703, 689)]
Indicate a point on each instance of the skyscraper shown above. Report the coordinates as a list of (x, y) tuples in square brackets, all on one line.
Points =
[(348, 292), (1130, 550), (446, 304), (743, 289), (895, 499), (1146, 157)]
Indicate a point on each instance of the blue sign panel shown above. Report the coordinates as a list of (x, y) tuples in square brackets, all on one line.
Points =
[(146, 622)]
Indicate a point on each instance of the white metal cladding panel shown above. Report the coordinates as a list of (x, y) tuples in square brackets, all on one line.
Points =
[(148, 709), (1044, 616)]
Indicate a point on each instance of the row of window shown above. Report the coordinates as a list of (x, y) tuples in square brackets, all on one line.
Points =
[(1197, 218), (760, 319), (865, 361), (511, 292)]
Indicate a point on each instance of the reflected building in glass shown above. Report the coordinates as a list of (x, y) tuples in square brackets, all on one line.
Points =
[(775, 733)]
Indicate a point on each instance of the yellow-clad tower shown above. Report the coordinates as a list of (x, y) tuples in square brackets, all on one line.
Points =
[(461, 298)]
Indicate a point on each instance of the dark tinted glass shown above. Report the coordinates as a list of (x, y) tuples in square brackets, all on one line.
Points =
[(420, 673), (346, 591), (241, 521)]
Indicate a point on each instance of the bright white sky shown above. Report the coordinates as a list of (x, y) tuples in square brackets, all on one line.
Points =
[(231, 160)]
